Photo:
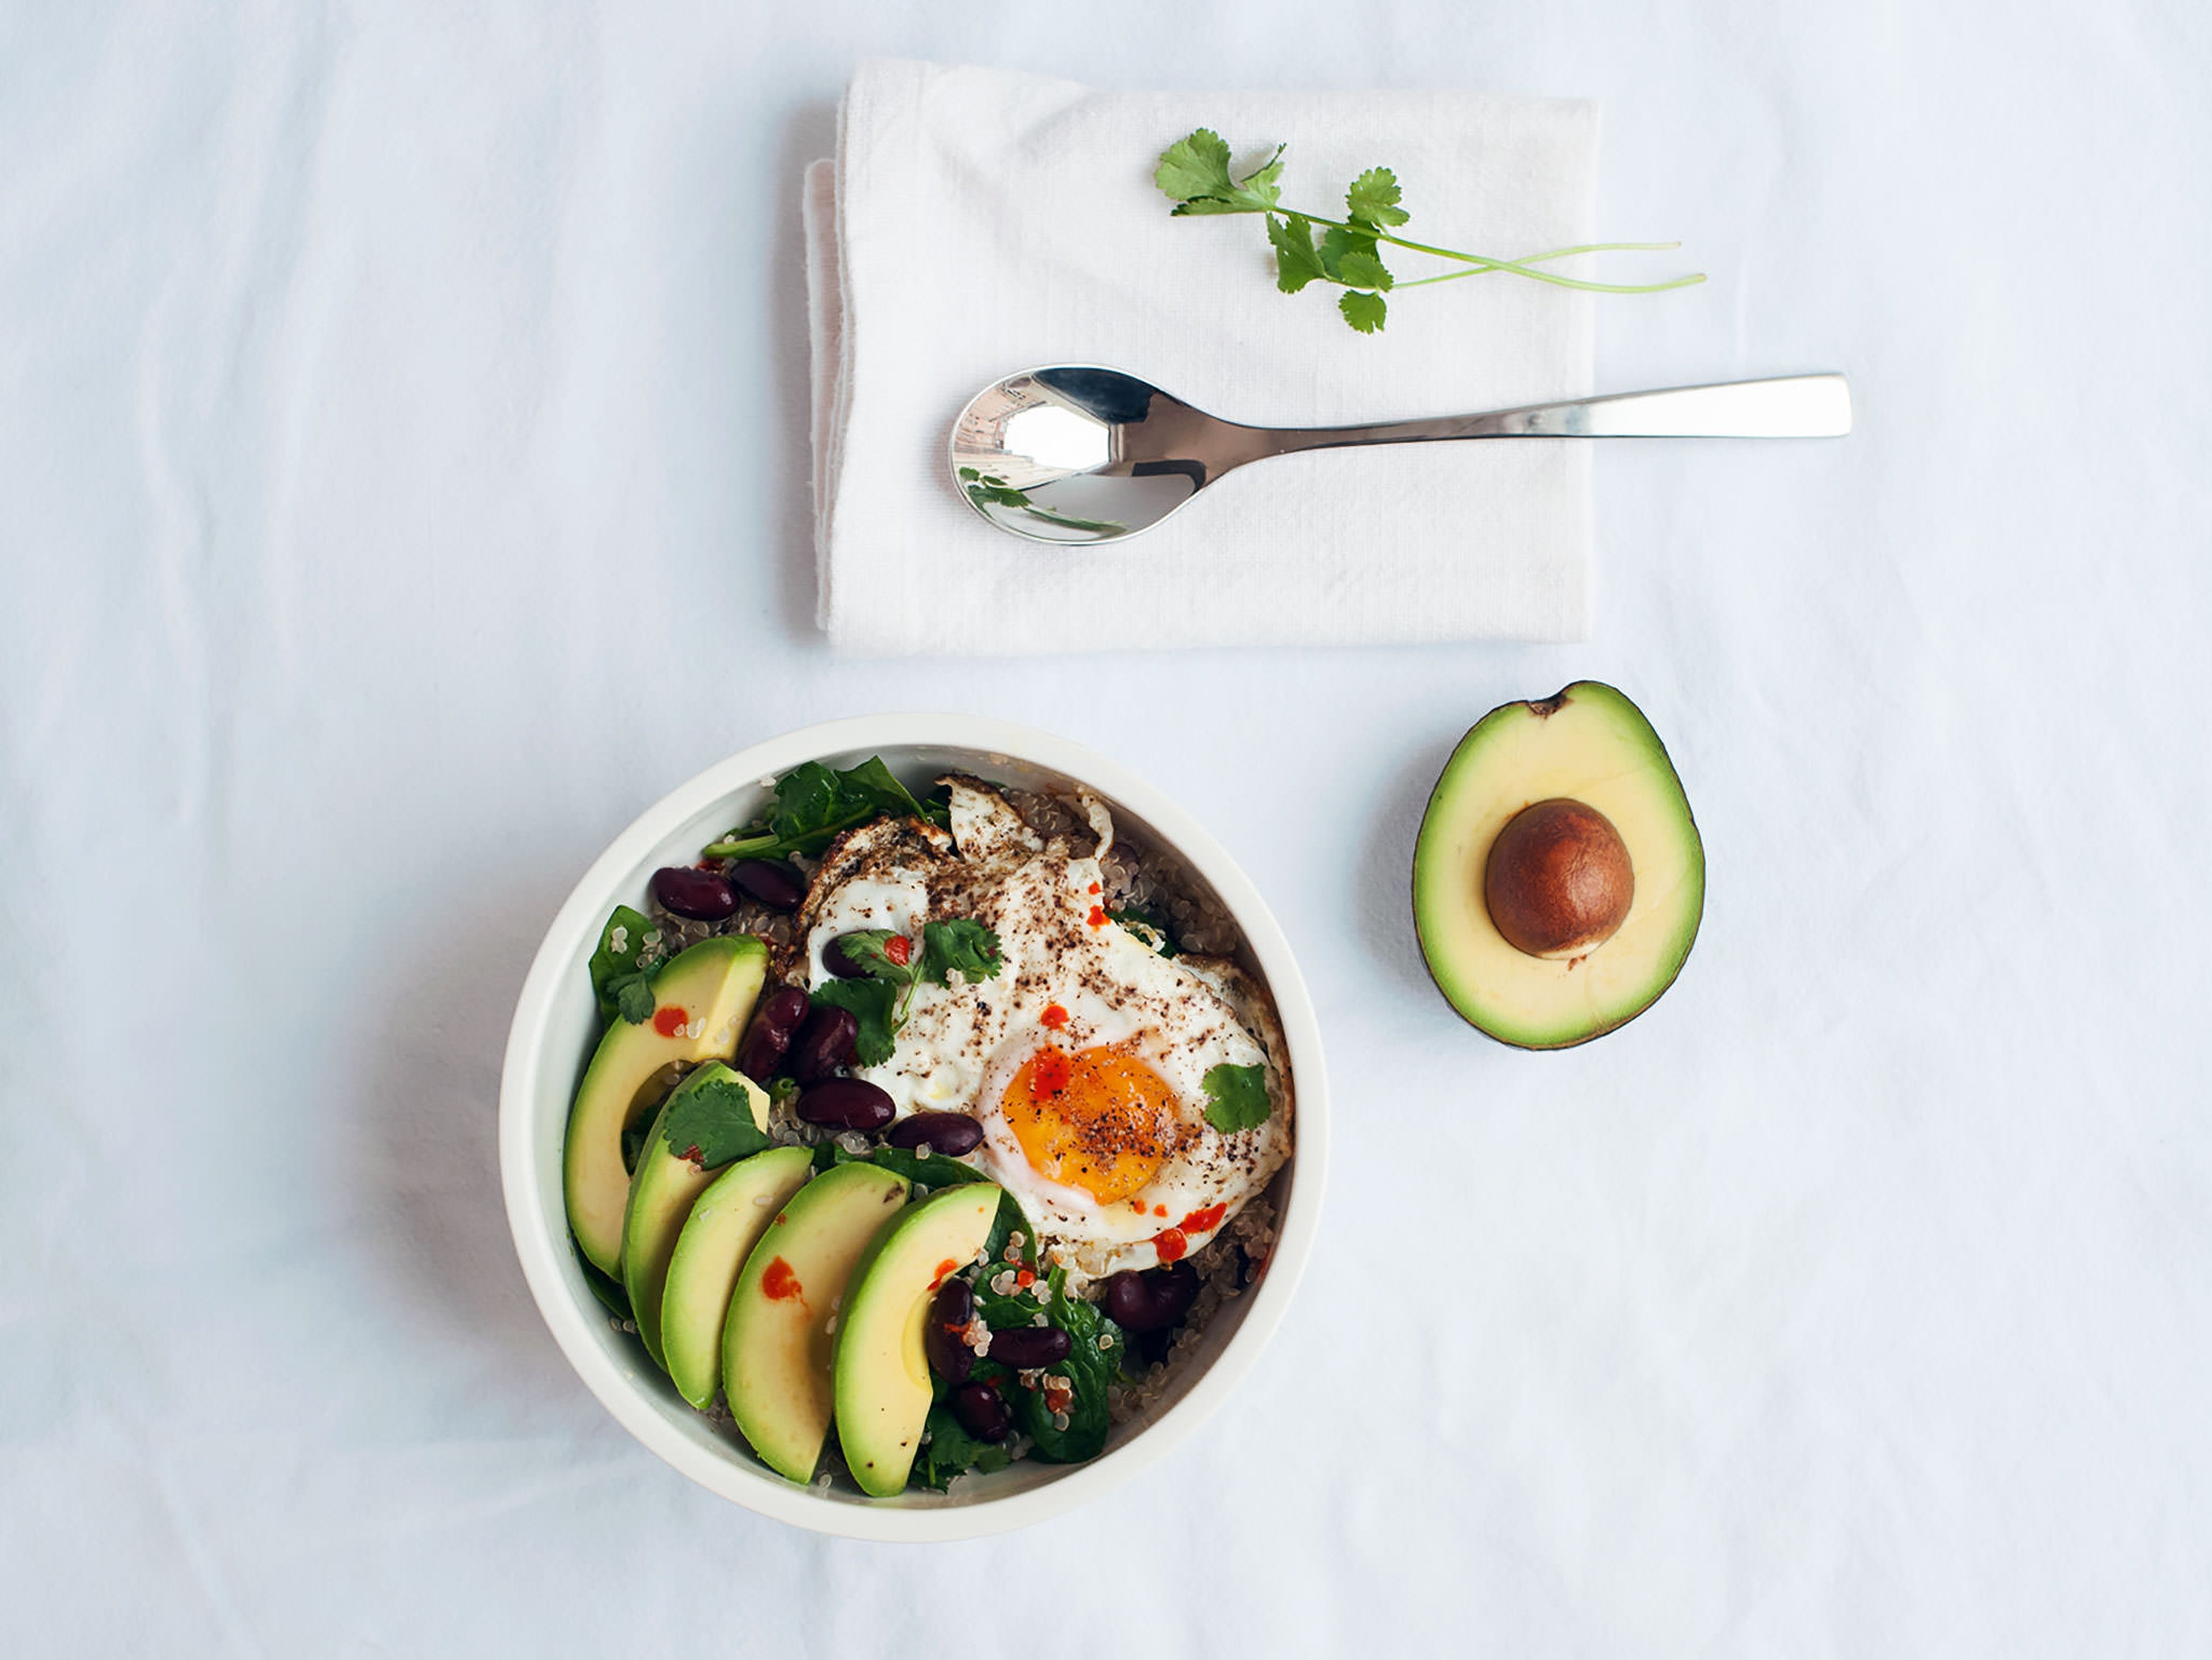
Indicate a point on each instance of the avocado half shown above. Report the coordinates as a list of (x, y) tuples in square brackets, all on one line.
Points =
[(1587, 747)]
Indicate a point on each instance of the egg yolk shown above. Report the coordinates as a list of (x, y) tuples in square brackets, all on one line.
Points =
[(1099, 1121)]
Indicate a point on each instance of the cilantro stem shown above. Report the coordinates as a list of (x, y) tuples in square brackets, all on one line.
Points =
[(1526, 267)]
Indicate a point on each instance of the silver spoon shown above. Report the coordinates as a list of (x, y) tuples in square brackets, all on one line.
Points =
[(1077, 453)]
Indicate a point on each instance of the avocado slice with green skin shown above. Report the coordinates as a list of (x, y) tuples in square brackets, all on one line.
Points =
[(727, 1221), (882, 1372), (662, 1189), (1587, 745), (712, 986), (778, 1345)]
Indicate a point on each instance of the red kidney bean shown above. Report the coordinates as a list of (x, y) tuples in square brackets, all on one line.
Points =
[(762, 1052), (785, 1006), (772, 881), (824, 1043), (982, 1411), (835, 960), (949, 1133), (847, 1103), (702, 895), (778, 1015), (950, 1312), (1148, 1302), (1024, 1346)]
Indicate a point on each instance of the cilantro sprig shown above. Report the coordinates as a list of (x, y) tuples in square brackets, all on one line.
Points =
[(815, 803), (1194, 173), (1236, 1097), (709, 1119), (895, 966)]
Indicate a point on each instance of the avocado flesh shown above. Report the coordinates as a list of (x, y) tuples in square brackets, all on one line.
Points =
[(882, 1371), (714, 983), (726, 1223), (662, 1190), (1588, 744), (778, 1351)]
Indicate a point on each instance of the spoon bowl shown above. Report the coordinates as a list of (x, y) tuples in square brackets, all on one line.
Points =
[(1078, 453)]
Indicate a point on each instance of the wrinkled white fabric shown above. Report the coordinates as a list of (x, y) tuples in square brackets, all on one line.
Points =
[(977, 221), (403, 464)]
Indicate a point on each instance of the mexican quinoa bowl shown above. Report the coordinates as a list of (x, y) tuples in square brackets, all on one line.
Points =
[(911, 1125)]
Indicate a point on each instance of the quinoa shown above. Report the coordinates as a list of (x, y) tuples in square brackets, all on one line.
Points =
[(1136, 876)]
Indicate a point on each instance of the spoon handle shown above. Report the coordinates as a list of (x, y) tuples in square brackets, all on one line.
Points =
[(1792, 406)]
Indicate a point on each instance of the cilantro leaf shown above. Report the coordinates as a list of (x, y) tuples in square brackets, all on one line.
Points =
[(709, 1118), (1295, 262), (1197, 175), (1362, 269), (1339, 241), (870, 948), (948, 1451), (1236, 1097), (1194, 173), (633, 996), (1364, 311), (1373, 198), (1195, 166), (963, 944), (871, 1002), (622, 966)]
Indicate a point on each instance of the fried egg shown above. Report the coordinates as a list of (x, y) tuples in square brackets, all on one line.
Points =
[(1084, 1059)]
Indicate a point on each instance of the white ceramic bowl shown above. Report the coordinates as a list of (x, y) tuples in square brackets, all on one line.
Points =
[(554, 1026)]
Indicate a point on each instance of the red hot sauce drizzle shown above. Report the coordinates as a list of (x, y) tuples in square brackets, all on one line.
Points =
[(780, 1282)]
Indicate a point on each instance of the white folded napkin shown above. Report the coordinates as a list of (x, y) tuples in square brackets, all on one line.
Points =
[(977, 221)]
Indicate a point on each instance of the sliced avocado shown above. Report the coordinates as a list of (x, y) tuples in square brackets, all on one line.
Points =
[(666, 1180), (778, 1345), (711, 987), (724, 1224), (1558, 879), (883, 1375)]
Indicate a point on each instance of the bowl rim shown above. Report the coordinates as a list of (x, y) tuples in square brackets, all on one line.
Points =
[(541, 1240)]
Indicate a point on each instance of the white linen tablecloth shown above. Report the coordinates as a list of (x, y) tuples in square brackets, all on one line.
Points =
[(403, 481)]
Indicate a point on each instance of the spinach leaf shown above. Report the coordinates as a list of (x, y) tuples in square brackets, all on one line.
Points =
[(1089, 1368), (934, 1171), (1146, 928), (629, 949), (609, 1292), (1009, 1221), (814, 803)]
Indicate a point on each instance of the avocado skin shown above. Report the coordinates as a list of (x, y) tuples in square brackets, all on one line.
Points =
[(1441, 923)]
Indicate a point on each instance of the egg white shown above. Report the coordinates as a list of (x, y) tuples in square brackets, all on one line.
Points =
[(962, 1044)]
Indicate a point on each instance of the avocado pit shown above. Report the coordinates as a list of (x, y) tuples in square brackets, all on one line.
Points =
[(1558, 881)]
